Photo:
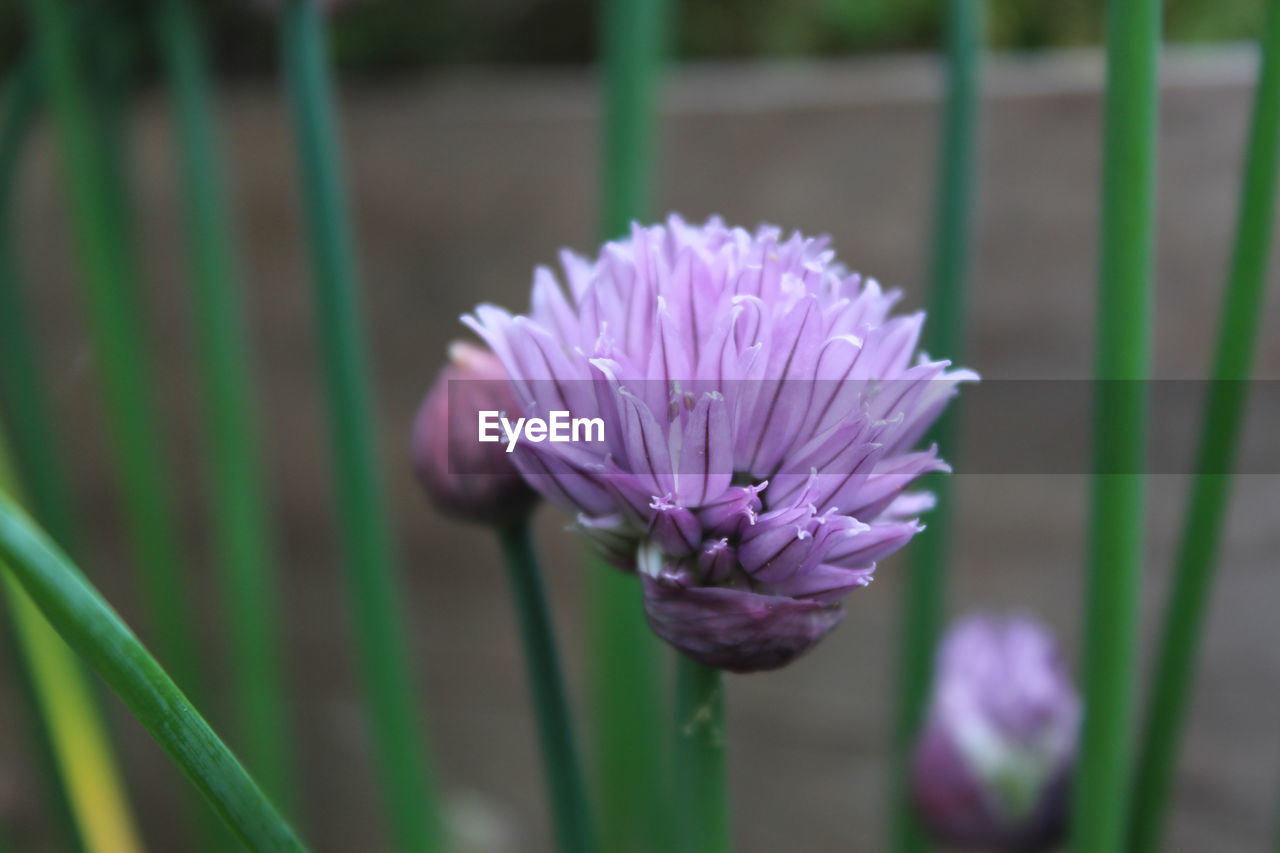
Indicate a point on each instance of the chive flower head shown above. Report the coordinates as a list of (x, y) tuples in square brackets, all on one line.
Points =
[(759, 413)]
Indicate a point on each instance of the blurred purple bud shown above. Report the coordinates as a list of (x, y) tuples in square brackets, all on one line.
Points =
[(445, 442), (993, 764)]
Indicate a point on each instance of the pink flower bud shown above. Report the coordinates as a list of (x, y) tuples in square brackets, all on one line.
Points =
[(462, 476)]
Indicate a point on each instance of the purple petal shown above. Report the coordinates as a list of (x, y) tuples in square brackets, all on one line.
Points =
[(735, 508), (873, 544), (675, 529), (734, 629), (717, 560), (825, 583), (706, 453), (565, 482), (775, 547), (647, 453)]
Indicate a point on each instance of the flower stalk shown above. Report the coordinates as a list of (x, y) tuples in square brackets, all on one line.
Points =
[(629, 745), (22, 394), (114, 313), (80, 745), (78, 742), (396, 719), (924, 603), (94, 631), (700, 786), (239, 505), (1120, 425), (1202, 525), (477, 482), (633, 40), (570, 808), (631, 766), (94, 788)]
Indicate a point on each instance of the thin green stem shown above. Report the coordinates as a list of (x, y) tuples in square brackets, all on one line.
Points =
[(239, 505), (50, 783), (1219, 440), (924, 601), (21, 385), (632, 41), (115, 315), (88, 790), (630, 754), (396, 720), (111, 62), (699, 780), (1120, 425), (550, 700), (95, 790), (95, 632)]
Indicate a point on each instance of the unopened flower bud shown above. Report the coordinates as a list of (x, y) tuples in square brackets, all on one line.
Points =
[(993, 764), (462, 476)]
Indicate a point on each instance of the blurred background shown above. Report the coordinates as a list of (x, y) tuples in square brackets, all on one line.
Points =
[(472, 145), (402, 36), (406, 35)]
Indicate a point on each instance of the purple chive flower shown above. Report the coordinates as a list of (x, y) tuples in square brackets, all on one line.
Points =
[(760, 412), (992, 766), (462, 477)]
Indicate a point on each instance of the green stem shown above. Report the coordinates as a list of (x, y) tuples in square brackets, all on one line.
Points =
[(88, 790), (396, 721), (1120, 425), (698, 758), (94, 631), (551, 704), (115, 315), (629, 745), (633, 37), (239, 504), (111, 63), (924, 601), (21, 385), (631, 768), (95, 790), (1219, 439)]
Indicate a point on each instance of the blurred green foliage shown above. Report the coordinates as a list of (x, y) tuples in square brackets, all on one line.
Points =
[(390, 35)]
